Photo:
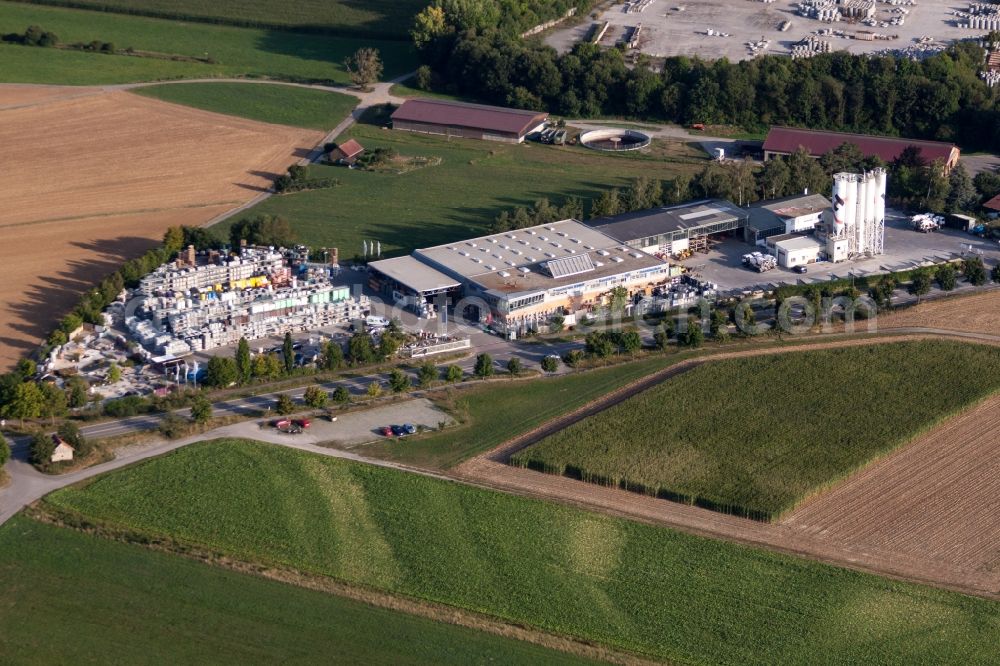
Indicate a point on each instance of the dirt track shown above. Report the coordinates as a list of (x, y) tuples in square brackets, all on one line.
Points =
[(93, 177), (931, 525)]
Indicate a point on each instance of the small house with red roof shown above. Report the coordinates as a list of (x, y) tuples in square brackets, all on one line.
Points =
[(346, 153)]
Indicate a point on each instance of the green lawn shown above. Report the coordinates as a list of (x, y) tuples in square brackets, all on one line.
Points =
[(387, 18), (628, 585), (237, 51), (73, 598), (459, 197), (408, 89), (285, 105), (755, 436), (499, 410)]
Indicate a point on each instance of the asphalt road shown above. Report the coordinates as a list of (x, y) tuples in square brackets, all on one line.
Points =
[(28, 484)]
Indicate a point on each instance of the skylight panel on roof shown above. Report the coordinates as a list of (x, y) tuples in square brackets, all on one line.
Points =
[(569, 266)]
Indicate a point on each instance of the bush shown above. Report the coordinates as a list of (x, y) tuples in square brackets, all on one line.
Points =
[(173, 426), (201, 410), (484, 366), (341, 395), (316, 397), (550, 363), (125, 407), (426, 374), (946, 277), (453, 374), (599, 344), (974, 271), (4, 451), (285, 404), (70, 432), (572, 358), (514, 366), (423, 78), (41, 449), (221, 372), (398, 381)]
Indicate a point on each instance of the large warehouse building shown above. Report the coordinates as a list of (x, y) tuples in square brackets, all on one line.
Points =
[(515, 281), (667, 230), (470, 121), (786, 140), (788, 215)]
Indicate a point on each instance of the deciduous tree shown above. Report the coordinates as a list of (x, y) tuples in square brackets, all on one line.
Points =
[(364, 66)]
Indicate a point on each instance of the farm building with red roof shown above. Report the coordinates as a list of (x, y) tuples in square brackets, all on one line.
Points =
[(470, 121), (346, 153), (993, 204), (786, 140)]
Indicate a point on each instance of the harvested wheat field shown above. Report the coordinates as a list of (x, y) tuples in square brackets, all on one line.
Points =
[(94, 177), (937, 500), (14, 95), (978, 313)]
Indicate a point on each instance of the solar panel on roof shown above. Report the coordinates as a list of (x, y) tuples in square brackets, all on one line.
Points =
[(567, 266)]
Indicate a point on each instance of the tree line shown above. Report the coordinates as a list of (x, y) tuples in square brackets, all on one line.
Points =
[(940, 97), (913, 183)]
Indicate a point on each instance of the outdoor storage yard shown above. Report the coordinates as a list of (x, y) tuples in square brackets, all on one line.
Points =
[(756, 436), (678, 27), (116, 169)]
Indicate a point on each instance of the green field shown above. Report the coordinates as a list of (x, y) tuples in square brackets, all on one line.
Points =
[(236, 51), (461, 196), (387, 18), (73, 598), (620, 583), (497, 411), (284, 105), (755, 436)]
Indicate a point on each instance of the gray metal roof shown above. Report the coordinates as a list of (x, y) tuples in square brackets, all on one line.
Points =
[(414, 273), (666, 219)]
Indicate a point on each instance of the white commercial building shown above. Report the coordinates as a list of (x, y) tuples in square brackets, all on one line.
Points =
[(517, 280), (798, 251)]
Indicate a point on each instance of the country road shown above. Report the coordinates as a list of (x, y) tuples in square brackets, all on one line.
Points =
[(28, 485)]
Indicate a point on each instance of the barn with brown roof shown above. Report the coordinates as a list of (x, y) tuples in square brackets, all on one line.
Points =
[(347, 152), (786, 140), (470, 121)]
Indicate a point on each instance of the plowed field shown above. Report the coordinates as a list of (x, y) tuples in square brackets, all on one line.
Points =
[(93, 177)]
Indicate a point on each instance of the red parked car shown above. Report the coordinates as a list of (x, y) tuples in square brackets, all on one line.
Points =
[(302, 423)]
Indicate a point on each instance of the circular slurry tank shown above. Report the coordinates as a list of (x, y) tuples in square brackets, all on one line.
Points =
[(614, 139)]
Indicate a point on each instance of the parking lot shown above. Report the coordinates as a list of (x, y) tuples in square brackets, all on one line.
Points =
[(670, 31), (904, 247), (350, 429)]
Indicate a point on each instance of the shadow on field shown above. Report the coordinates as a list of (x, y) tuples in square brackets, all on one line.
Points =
[(396, 51), (53, 296)]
